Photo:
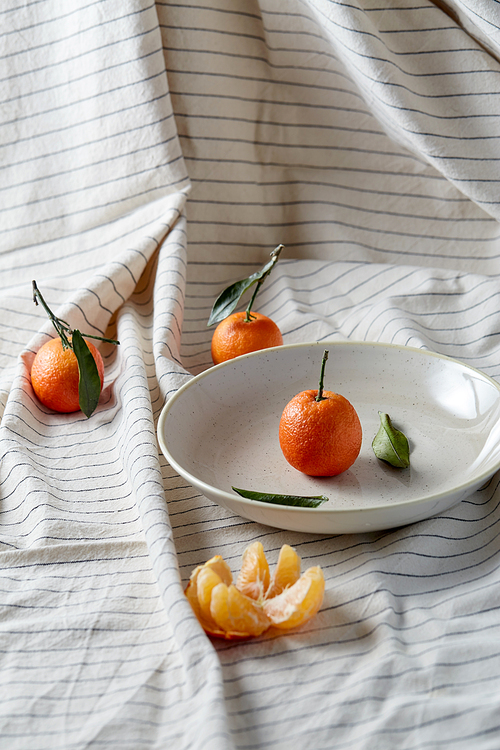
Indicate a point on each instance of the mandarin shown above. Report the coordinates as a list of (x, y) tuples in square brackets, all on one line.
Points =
[(238, 334), (319, 431), (55, 375), (257, 601), (243, 332)]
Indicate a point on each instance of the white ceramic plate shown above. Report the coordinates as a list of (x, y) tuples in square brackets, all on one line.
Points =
[(221, 430)]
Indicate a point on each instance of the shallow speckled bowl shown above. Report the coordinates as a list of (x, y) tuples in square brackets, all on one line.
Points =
[(221, 430)]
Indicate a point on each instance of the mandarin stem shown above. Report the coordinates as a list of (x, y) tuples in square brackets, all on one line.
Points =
[(60, 325), (37, 295), (320, 396), (248, 316), (102, 338), (274, 255)]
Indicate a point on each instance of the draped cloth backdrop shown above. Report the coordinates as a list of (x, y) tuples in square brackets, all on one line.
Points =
[(152, 153)]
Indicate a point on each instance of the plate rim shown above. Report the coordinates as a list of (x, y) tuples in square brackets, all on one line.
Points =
[(297, 510)]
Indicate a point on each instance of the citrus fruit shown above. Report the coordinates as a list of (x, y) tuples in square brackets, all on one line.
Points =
[(319, 431), (235, 335), (55, 375), (320, 438), (257, 601)]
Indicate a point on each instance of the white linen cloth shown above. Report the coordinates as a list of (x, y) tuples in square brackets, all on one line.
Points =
[(151, 153)]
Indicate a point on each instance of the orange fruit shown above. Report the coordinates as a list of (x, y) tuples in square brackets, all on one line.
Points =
[(258, 600), (320, 438), (235, 336), (55, 375)]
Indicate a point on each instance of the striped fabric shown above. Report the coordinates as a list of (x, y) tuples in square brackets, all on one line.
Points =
[(150, 154)]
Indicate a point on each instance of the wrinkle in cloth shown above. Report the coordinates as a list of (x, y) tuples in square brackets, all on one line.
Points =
[(150, 154)]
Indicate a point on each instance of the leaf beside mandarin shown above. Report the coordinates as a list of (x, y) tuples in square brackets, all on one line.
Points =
[(228, 299), (391, 445), (89, 386), (301, 501)]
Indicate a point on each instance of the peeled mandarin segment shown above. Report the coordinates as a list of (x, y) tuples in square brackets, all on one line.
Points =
[(253, 578), (298, 603), (235, 613), (206, 581), (208, 625), (191, 592), (286, 573), (220, 566)]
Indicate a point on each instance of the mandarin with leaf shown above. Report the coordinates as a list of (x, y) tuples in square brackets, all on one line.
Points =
[(55, 375), (67, 373), (240, 333)]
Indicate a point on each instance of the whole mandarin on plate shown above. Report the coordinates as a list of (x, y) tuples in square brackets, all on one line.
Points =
[(320, 432)]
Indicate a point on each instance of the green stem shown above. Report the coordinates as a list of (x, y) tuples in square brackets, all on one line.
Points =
[(320, 396), (62, 328), (248, 316), (274, 255), (102, 338)]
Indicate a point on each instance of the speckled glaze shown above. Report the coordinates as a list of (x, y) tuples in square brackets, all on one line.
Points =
[(221, 429)]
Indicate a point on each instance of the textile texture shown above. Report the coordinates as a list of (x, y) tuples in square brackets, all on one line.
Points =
[(150, 155)]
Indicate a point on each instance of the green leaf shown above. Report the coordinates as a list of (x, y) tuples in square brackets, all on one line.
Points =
[(391, 445), (89, 386), (228, 299), (311, 501)]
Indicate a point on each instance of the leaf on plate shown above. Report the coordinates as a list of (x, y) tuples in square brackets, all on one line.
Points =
[(229, 298), (391, 445), (311, 501), (89, 386)]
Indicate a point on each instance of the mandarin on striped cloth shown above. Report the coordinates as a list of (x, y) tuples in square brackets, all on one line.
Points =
[(151, 154)]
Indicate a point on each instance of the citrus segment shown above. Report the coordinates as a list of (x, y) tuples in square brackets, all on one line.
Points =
[(253, 578), (298, 603), (206, 582), (285, 574), (235, 613), (220, 566), (235, 336), (208, 624)]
